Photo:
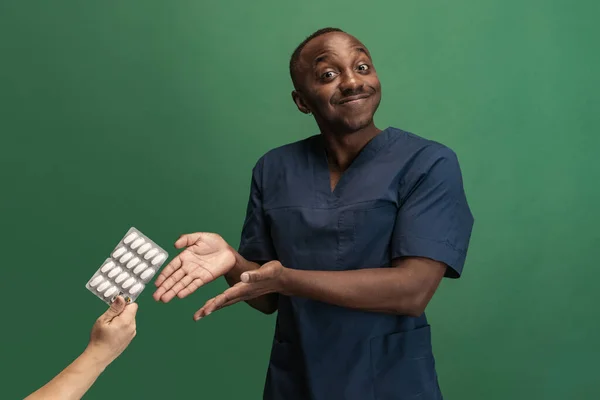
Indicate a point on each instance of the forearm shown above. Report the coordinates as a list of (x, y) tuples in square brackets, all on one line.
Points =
[(75, 380), (385, 290), (267, 303)]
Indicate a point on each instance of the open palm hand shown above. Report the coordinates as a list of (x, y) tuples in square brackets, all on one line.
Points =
[(206, 257)]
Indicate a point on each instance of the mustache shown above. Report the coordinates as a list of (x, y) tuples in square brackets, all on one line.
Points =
[(359, 92)]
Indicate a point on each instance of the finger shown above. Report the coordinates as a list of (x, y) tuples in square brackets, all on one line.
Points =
[(204, 277), (201, 312), (188, 239), (205, 310), (173, 266), (128, 315), (169, 294), (232, 294), (189, 289), (248, 277), (115, 309), (215, 305), (186, 280), (158, 293), (260, 274), (168, 284), (208, 307), (238, 290), (231, 302)]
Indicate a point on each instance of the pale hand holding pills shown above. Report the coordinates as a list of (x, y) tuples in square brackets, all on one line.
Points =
[(133, 262)]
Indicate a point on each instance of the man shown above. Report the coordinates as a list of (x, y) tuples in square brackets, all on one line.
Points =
[(111, 334), (348, 234)]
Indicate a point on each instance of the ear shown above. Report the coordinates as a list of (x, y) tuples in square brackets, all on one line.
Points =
[(297, 97)]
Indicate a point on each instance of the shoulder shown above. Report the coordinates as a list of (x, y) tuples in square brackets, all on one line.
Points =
[(418, 147), (292, 155), (285, 154), (418, 154), (423, 163), (288, 152)]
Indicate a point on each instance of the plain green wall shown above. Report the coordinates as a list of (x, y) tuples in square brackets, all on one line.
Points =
[(152, 113)]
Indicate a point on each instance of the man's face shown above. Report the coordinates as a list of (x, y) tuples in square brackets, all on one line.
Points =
[(337, 82)]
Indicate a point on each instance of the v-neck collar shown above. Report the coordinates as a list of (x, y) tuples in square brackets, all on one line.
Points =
[(322, 179)]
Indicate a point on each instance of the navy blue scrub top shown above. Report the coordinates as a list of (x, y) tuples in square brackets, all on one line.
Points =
[(401, 196)]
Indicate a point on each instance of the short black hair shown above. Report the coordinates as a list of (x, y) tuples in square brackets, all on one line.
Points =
[(296, 55)]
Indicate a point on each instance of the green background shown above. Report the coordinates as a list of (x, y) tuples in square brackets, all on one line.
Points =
[(152, 113)]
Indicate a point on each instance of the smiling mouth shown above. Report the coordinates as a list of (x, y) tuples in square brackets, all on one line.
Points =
[(353, 99)]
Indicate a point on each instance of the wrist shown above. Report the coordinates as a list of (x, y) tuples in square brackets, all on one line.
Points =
[(232, 271), (241, 265), (97, 357), (285, 280)]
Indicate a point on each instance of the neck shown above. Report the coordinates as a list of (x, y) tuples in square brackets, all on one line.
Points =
[(342, 148)]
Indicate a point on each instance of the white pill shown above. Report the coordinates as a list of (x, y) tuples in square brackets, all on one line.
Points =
[(130, 237), (144, 248), (138, 242), (136, 288), (107, 266), (140, 268), (110, 291), (147, 273), (121, 277), (119, 251), (128, 283), (114, 272), (158, 259), (103, 286), (151, 254), (133, 263), (96, 280), (126, 257)]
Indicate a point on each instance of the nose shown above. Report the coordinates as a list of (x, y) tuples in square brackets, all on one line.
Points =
[(350, 83)]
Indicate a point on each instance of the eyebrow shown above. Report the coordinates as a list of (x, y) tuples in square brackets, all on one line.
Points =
[(362, 50), (324, 57)]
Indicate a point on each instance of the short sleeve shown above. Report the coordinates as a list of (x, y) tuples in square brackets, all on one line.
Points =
[(256, 244), (434, 219)]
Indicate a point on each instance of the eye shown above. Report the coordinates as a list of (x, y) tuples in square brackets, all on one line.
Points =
[(363, 67), (328, 75)]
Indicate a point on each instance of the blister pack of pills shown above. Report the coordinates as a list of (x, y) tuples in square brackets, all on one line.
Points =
[(132, 264)]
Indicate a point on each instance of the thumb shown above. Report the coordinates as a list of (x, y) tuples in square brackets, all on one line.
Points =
[(261, 274), (252, 276), (129, 314), (115, 309), (188, 239)]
